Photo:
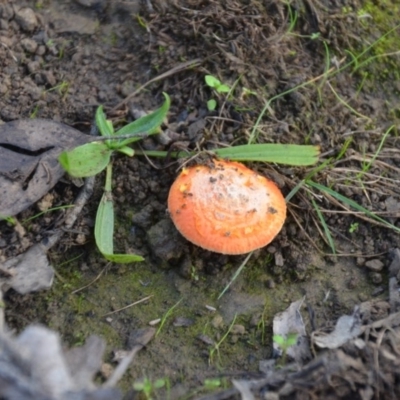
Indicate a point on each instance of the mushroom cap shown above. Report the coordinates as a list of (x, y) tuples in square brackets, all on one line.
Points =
[(226, 207)]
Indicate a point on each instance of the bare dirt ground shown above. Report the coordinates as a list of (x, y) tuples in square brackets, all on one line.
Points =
[(331, 73)]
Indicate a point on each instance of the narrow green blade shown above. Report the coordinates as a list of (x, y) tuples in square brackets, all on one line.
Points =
[(105, 127), (104, 226), (104, 232), (352, 203), (128, 151), (123, 258), (148, 124), (290, 154), (86, 160)]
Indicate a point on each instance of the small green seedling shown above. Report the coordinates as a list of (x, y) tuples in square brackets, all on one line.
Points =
[(285, 343), (219, 88), (10, 220), (211, 105), (211, 384), (92, 158), (353, 227), (216, 84), (247, 92), (218, 345), (147, 387)]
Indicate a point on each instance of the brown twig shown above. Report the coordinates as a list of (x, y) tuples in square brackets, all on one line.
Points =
[(93, 281), (129, 305)]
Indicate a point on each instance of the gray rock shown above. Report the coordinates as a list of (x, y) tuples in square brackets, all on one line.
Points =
[(238, 329), (6, 11), (375, 265), (33, 66), (376, 278), (26, 19), (4, 25), (29, 45), (165, 241)]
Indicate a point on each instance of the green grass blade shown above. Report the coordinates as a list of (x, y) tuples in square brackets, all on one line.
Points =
[(294, 190), (166, 315), (314, 171), (353, 204), (105, 127), (86, 160), (290, 154), (325, 226), (236, 274), (148, 124), (382, 142)]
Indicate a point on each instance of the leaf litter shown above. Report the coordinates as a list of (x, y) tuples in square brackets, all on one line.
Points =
[(29, 166)]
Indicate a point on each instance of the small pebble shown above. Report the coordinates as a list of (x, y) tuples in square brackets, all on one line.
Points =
[(29, 45), (217, 322), (362, 297), (375, 265), (376, 278), (352, 284), (6, 11), (271, 396), (206, 339), (270, 284), (360, 261), (238, 330), (182, 321), (279, 261), (26, 19), (106, 370)]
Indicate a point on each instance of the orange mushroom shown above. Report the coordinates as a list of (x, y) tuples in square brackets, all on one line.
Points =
[(226, 207)]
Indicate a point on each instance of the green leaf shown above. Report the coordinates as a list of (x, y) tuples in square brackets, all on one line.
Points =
[(138, 386), (104, 232), (123, 258), (148, 124), (212, 81), (290, 154), (222, 89), (159, 383), (291, 339), (278, 339), (105, 126), (10, 220), (86, 160), (127, 151), (282, 154), (212, 383), (211, 105), (104, 225)]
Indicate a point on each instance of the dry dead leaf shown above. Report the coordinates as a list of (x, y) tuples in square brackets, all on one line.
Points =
[(29, 166)]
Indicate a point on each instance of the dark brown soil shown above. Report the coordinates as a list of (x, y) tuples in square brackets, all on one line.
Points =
[(61, 60)]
